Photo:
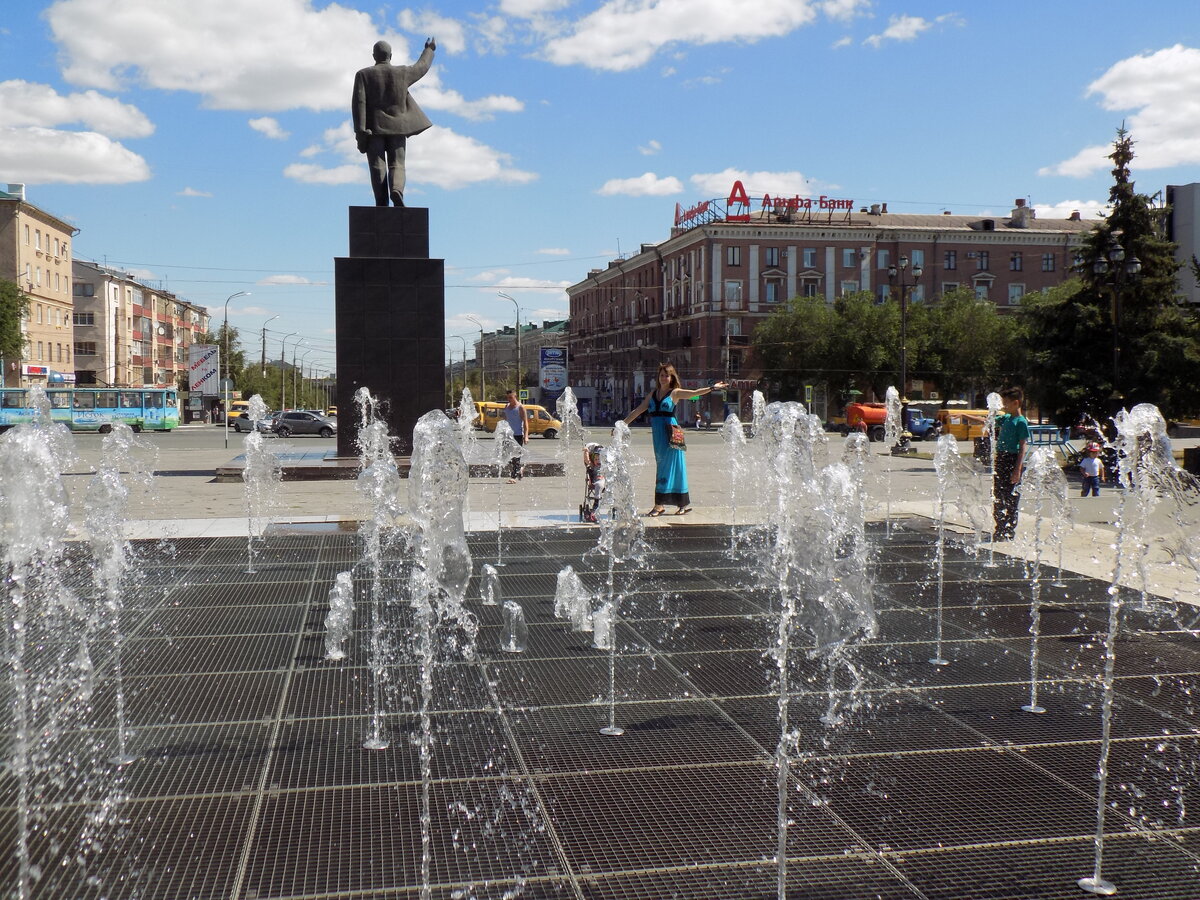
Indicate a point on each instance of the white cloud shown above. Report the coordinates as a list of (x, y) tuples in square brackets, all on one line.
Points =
[(529, 9), (650, 149), (900, 28), (1087, 209), (48, 156), (24, 103), (448, 33), (142, 274), (438, 156), (623, 34), (288, 279), (520, 283), (192, 192), (646, 185), (269, 127), (554, 251), (286, 55), (1164, 87), (843, 10), (842, 42), (717, 184)]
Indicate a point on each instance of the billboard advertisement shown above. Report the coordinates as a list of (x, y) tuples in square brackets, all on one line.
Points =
[(552, 373), (203, 362)]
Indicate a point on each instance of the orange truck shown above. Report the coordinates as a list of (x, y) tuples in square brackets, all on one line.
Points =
[(872, 415)]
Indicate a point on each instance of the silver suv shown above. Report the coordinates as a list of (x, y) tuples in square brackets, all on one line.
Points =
[(298, 421)]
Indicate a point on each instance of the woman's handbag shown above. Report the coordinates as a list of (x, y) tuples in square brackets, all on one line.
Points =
[(676, 438)]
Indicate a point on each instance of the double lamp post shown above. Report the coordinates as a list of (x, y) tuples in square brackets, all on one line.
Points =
[(898, 278)]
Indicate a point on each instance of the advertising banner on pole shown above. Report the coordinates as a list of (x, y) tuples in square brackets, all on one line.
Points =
[(203, 363), (552, 375)]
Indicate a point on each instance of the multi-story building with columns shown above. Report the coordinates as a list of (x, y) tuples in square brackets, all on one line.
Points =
[(695, 298), (35, 252)]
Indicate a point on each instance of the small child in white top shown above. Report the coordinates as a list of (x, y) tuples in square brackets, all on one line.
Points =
[(1092, 470)]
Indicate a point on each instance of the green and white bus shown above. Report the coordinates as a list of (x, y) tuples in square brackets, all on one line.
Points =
[(95, 409)]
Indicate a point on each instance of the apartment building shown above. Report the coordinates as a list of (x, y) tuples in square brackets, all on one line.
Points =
[(129, 334), (35, 252)]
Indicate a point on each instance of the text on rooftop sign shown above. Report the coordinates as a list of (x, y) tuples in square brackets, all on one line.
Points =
[(739, 204)]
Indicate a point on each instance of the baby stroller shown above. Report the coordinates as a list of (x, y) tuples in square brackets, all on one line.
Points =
[(594, 483)]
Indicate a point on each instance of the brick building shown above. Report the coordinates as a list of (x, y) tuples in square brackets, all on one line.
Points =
[(696, 298)]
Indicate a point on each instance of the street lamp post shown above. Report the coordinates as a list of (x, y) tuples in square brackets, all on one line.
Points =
[(263, 360), (898, 278), (282, 370), (226, 385), (303, 357), (518, 310), (1119, 272), (482, 367), (295, 347)]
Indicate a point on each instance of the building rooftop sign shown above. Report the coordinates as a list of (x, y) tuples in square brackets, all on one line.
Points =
[(738, 206)]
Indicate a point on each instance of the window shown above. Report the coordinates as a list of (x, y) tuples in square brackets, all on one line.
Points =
[(735, 362), (771, 257), (809, 287), (918, 258), (981, 261), (885, 291), (85, 348), (1047, 262), (918, 293), (84, 318), (733, 292), (41, 358), (41, 320), (849, 258), (981, 291), (1016, 263), (883, 259), (85, 400), (951, 260), (26, 234), (810, 257), (849, 287), (774, 290), (57, 282), (37, 239), (1015, 293), (948, 286), (733, 256), (58, 351)]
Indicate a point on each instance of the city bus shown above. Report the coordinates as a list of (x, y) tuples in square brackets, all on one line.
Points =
[(95, 409)]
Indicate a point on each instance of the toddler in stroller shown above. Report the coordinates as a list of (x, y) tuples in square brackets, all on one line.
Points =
[(594, 483)]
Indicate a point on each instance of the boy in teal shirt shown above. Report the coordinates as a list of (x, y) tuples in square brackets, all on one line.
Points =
[(1012, 440)]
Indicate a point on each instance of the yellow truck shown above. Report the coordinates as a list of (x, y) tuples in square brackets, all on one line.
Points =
[(541, 422)]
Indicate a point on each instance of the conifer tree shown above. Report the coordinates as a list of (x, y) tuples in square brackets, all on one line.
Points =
[(1111, 337)]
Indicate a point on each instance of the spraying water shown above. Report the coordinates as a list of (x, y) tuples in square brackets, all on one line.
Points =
[(994, 406), (944, 460), (820, 579), (572, 601), (47, 625), (571, 440), (620, 541), (1145, 452), (489, 588), (1044, 488), (506, 449), (516, 632), (261, 477), (467, 415), (379, 482), (441, 571), (106, 508), (891, 437), (340, 618), (735, 459)]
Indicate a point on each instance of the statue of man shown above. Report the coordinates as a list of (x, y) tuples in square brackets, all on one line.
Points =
[(384, 116)]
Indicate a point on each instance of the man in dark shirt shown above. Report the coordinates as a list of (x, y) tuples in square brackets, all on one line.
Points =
[(385, 116)]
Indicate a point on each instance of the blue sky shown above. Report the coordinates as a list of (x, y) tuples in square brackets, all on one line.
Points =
[(206, 145)]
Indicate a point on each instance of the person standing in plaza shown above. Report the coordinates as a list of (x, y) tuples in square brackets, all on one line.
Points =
[(670, 480), (518, 420), (1012, 441), (1092, 470)]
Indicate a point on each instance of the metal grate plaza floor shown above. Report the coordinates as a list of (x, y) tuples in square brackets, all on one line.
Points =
[(252, 782)]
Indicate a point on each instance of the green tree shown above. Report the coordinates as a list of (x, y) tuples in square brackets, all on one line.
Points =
[(794, 342), (1076, 333), (969, 344), (14, 306)]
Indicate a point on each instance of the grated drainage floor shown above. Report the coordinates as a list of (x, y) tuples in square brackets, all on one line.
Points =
[(252, 782)]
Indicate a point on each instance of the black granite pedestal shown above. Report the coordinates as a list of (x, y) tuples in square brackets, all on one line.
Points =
[(389, 301)]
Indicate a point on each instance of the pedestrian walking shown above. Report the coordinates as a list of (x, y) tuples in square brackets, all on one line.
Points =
[(518, 420)]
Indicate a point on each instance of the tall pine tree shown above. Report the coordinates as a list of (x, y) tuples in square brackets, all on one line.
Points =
[(1101, 341)]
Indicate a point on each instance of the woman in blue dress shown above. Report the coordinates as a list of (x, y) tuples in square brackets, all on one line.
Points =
[(670, 482)]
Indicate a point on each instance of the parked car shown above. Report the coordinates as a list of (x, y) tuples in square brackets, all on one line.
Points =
[(299, 421), (331, 411), (265, 426), (540, 421)]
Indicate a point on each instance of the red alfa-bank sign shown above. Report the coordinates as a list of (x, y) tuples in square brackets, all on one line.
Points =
[(739, 205)]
